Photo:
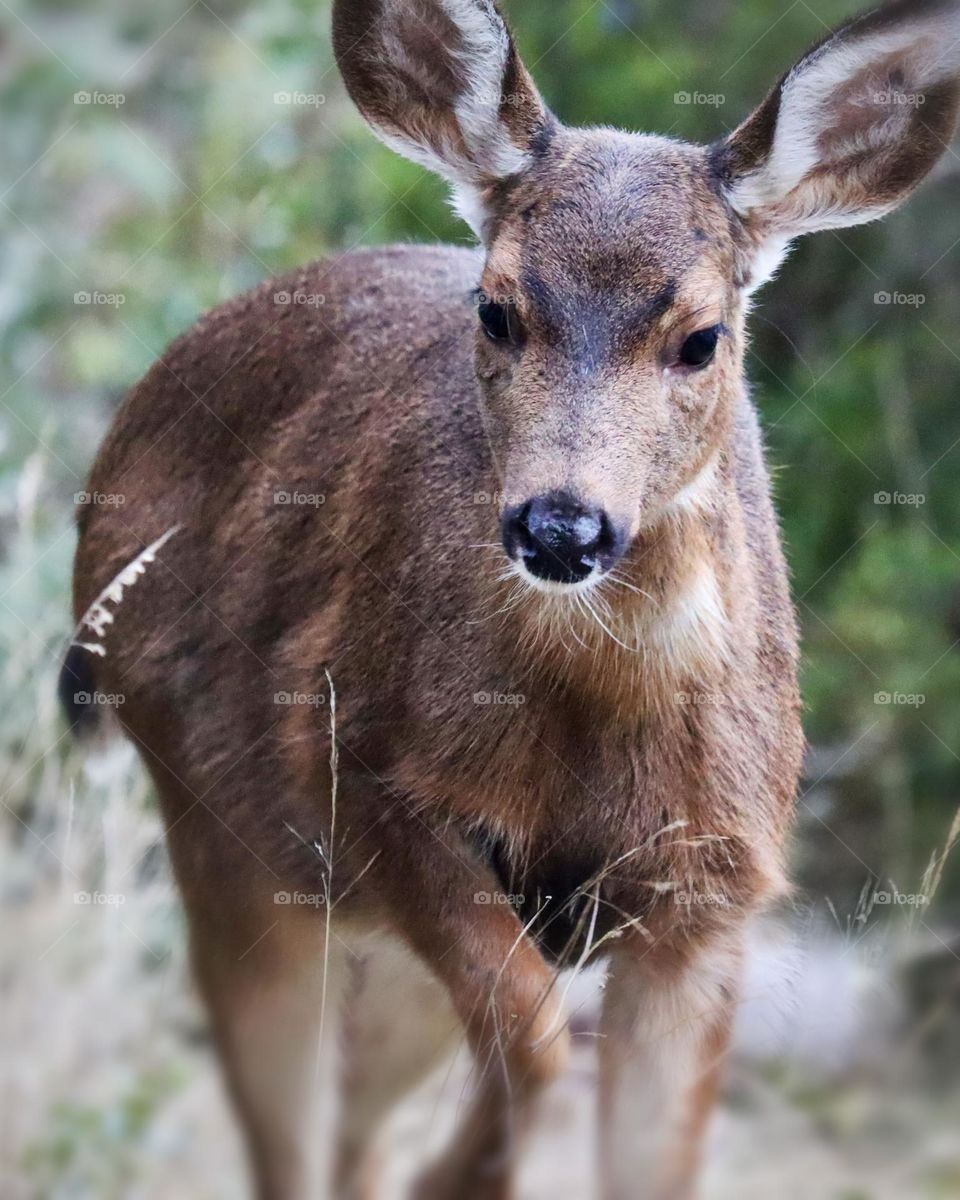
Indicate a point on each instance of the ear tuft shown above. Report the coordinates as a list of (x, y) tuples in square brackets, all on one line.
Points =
[(440, 81), (847, 134)]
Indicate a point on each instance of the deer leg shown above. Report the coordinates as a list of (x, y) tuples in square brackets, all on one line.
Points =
[(504, 994), (665, 1028), (499, 986), (260, 969), (398, 1025)]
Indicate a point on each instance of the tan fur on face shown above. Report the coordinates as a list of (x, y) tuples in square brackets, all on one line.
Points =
[(608, 280)]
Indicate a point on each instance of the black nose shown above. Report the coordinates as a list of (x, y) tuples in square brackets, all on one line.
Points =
[(559, 539)]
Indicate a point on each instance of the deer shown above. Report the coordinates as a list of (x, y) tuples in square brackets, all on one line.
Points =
[(448, 593)]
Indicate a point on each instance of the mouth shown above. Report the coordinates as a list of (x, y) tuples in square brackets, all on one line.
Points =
[(553, 587)]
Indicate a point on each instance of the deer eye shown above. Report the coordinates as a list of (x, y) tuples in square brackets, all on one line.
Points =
[(700, 347), (499, 320)]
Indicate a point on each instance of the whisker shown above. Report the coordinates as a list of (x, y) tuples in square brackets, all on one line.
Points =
[(576, 636), (513, 601), (635, 649), (621, 582), (602, 602)]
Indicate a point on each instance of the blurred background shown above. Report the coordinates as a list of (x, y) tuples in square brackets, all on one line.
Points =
[(159, 158)]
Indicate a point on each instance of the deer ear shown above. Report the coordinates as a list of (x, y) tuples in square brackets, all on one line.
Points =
[(441, 82), (848, 134)]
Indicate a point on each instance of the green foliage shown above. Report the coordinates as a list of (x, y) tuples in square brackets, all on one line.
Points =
[(96, 1151), (200, 183)]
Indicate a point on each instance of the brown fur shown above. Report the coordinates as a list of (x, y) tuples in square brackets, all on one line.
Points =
[(654, 751)]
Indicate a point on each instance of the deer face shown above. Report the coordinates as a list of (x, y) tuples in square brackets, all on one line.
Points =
[(608, 347), (610, 309)]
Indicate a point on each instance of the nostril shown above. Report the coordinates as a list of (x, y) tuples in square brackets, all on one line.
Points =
[(516, 530), (523, 521), (606, 538)]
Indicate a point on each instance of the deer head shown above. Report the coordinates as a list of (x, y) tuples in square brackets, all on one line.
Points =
[(610, 312)]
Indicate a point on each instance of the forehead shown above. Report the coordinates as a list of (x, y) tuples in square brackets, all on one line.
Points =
[(605, 217)]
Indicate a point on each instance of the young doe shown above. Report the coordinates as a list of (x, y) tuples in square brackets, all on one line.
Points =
[(464, 624)]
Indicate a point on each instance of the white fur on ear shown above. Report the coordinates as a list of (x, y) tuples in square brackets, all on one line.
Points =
[(485, 59), (484, 152), (768, 258), (470, 206), (846, 111)]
